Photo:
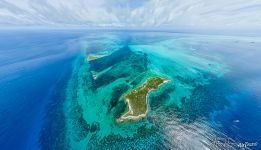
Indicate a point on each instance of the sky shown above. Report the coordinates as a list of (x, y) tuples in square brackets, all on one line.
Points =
[(245, 14)]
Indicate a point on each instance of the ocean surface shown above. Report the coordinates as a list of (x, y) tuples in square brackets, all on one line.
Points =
[(64, 89)]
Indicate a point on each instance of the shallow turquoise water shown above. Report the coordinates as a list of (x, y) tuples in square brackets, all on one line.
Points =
[(180, 113), (63, 101)]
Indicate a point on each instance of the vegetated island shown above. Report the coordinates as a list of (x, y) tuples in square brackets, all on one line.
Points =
[(138, 99), (91, 57)]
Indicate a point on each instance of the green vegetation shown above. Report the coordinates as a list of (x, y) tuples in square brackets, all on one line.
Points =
[(137, 99), (91, 57)]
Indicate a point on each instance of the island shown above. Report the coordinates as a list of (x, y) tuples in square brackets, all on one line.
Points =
[(92, 57), (138, 99)]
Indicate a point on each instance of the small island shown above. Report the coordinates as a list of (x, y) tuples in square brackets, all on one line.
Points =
[(138, 99), (92, 57)]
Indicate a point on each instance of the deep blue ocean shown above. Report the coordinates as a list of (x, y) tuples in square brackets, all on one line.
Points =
[(36, 68)]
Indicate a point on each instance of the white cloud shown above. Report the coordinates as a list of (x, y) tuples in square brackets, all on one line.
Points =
[(133, 13)]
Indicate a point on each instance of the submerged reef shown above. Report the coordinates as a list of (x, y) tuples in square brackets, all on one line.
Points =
[(110, 102)]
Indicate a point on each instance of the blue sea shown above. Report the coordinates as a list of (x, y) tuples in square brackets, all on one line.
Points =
[(64, 89)]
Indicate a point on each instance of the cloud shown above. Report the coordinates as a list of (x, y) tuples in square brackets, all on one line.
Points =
[(133, 13)]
